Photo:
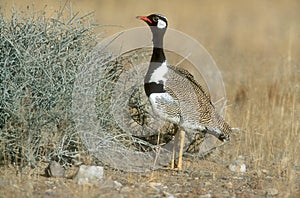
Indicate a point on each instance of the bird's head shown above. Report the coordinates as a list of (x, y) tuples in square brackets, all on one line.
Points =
[(155, 20), (158, 25)]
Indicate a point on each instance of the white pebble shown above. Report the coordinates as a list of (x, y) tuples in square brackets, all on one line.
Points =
[(89, 174), (238, 166)]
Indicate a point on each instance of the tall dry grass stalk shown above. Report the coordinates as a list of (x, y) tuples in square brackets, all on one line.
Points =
[(266, 108)]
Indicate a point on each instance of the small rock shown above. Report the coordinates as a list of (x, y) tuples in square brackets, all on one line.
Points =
[(241, 157), (238, 166), (125, 189), (50, 193), (167, 194), (238, 178), (89, 174), (117, 185), (4, 182), (156, 186), (229, 185), (205, 196), (54, 169), (258, 173), (272, 192), (225, 194)]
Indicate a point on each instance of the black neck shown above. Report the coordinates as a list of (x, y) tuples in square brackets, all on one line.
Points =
[(158, 57), (157, 39)]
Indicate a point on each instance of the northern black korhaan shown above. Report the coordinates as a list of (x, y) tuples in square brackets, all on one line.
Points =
[(176, 96)]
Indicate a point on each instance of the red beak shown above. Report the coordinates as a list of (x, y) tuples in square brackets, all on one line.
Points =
[(144, 18)]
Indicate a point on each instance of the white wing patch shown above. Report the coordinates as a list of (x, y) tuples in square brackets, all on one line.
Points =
[(161, 24), (159, 73), (160, 103)]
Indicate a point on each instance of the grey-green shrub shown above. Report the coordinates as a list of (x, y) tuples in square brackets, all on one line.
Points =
[(38, 61)]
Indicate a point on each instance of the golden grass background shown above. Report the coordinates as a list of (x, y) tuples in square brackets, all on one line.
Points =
[(255, 45)]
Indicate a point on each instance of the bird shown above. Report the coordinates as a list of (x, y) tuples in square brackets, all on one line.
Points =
[(175, 96)]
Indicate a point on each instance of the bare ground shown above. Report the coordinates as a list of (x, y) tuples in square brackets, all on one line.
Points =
[(209, 177)]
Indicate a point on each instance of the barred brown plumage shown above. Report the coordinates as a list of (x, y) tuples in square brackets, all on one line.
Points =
[(176, 96)]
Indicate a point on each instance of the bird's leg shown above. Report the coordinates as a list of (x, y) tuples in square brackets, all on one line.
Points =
[(181, 136), (174, 150)]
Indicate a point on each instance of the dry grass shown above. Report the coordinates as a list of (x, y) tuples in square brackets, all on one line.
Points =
[(255, 45)]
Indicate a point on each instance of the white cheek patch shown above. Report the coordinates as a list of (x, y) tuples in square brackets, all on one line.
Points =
[(161, 24)]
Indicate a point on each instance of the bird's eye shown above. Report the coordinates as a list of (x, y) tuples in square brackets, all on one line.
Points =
[(155, 18)]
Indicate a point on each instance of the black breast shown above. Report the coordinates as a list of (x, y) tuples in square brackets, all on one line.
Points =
[(154, 87)]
